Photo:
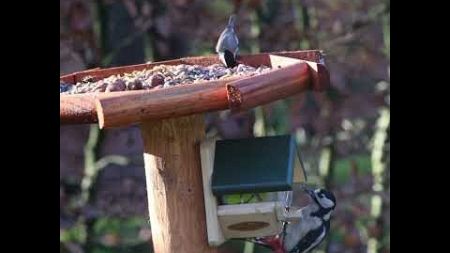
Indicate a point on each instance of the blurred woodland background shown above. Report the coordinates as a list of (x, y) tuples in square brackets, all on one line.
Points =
[(343, 134)]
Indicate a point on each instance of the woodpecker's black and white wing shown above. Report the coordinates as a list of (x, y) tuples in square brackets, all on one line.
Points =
[(311, 240)]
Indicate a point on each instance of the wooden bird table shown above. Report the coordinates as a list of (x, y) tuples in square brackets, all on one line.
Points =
[(172, 126)]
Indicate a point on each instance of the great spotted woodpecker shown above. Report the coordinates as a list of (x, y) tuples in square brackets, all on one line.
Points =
[(310, 231)]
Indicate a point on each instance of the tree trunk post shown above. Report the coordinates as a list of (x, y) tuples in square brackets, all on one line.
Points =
[(174, 184)]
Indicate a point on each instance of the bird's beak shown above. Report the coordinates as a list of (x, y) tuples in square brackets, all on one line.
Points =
[(308, 190)]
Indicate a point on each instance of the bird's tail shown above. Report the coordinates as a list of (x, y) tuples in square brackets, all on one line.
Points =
[(232, 20), (229, 59)]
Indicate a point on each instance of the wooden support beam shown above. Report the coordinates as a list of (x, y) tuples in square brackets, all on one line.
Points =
[(207, 153), (174, 184)]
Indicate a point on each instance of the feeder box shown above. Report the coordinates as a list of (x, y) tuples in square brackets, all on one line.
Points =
[(248, 185)]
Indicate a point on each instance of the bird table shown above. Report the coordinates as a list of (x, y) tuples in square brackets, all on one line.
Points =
[(172, 125)]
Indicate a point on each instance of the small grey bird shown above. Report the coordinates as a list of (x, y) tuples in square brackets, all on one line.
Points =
[(228, 44)]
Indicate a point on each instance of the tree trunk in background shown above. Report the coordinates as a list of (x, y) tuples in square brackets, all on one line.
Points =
[(121, 37), (378, 201), (89, 182)]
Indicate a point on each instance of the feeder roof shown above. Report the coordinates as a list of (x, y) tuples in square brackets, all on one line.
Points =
[(264, 164)]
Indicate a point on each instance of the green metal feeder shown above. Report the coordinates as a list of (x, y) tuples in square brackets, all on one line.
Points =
[(234, 171)]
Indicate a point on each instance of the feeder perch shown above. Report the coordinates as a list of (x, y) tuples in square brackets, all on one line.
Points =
[(172, 126), (252, 167)]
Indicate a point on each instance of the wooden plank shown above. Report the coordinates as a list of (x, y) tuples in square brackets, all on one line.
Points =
[(320, 78), (170, 102), (77, 109), (299, 171), (249, 220), (207, 151), (174, 184), (80, 108), (277, 61), (258, 90)]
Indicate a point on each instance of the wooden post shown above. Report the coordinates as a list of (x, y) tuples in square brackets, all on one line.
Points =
[(174, 184)]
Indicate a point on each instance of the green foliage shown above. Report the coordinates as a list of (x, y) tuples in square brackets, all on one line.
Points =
[(126, 229), (233, 199), (343, 167), (280, 118), (268, 11), (219, 8), (141, 248), (387, 35), (125, 232), (76, 233)]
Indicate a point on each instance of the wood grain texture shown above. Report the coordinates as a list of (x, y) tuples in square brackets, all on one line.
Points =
[(171, 102), (320, 77), (277, 61), (234, 93), (249, 220), (174, 184), (207, 152), (80, 108), (77, 109), (268, 87)]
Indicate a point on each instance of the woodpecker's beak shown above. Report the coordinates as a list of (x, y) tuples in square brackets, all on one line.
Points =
[(309, 191)]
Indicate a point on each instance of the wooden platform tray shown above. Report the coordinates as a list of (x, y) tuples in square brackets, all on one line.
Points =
[(292, 72)]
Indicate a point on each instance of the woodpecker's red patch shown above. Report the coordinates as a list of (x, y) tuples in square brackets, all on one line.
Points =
[(275, 243)]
